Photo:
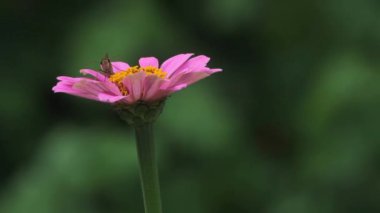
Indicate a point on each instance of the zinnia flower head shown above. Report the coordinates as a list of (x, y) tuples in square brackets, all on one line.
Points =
[(148, 82)]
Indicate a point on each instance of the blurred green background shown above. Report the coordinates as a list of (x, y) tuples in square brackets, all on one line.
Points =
[(290, 126)]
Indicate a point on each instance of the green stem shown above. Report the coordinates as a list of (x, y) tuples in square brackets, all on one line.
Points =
[(148, 168)]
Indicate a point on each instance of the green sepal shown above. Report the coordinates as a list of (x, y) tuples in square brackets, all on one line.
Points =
[(140, 113)]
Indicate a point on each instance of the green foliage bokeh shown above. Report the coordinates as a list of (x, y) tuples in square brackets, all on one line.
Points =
[(290, 125)]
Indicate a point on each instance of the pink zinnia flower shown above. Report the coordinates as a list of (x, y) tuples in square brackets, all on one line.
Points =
[(147, 82)]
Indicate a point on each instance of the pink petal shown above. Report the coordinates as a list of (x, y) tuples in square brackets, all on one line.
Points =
[(62, 87), (196, 64), (173, 63), (184, 80), (190, 78), (90, 87), (173, 89), (129, 99), (85, 88), (111, 86), (94, 73), (159, 95), (178, 87), (152, 88), (214, 70), (134, 85), (148, 61), (109, 98), (68, 79), (118, 66)]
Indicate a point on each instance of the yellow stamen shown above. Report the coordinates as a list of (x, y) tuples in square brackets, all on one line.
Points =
[(118, 77), (150, 70)]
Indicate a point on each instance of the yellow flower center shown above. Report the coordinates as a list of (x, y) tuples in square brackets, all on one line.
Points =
[(118, 77)]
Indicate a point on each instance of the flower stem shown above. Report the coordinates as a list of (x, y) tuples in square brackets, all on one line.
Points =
[(148, 168)]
